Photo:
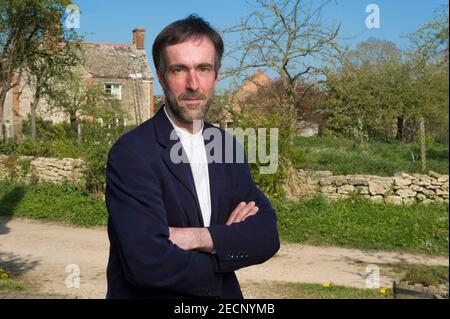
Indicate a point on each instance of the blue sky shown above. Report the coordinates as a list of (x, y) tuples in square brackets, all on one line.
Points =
[(113, 21)]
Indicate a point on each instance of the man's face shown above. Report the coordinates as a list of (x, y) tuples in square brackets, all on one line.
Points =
[(190, 78)]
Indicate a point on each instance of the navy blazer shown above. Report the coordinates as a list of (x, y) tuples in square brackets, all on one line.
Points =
[(146, 193)]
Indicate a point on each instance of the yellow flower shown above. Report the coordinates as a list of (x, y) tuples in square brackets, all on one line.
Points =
[(383, 291), (328, 285), (4, 276)]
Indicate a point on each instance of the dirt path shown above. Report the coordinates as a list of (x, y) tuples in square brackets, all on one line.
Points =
[(40, 253)]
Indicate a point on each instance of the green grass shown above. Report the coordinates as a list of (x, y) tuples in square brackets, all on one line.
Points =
[(311, 291), (365, 225), (343, 156), (51, 202), (427, 275), (8, 282), (11, 285)]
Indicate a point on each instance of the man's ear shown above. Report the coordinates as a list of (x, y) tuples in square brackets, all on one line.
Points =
[(217, 76), (161, 79)]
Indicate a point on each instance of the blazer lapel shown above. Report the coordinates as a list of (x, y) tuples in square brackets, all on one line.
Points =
[(181, 170)]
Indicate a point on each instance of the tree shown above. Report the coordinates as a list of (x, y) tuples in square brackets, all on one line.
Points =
[(24, 26), (58, 61), (284, 37), (75, 96), (429, 66), (366, 90)]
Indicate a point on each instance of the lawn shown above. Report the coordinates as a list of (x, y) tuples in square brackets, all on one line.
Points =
[(364, 224), (342, 156), (282, 290)]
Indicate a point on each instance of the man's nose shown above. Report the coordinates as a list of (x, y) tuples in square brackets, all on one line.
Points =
[(192, 82)]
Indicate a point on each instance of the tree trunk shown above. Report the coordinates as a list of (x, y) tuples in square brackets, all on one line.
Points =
[(400, 121), (74, 125), (423, 147), (33, 108), (410, 128), (2, 108)]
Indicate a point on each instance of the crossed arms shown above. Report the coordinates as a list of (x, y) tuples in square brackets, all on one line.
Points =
[(199, 238)]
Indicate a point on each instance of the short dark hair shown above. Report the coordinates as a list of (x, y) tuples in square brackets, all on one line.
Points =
[(181, 30)]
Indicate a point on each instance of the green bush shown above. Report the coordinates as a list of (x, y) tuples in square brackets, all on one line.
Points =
[(55, 140)]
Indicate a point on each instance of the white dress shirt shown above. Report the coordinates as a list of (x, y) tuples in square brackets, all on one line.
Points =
[(194, 146)]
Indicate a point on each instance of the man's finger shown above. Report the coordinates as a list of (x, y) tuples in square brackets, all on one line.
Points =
[(241, 213), (252, 212), (244, 214), (235, 211)]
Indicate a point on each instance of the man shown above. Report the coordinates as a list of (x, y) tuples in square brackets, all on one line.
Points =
[(180, 229)]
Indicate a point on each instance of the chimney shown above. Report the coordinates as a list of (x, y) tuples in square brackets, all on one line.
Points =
[(138, 38)]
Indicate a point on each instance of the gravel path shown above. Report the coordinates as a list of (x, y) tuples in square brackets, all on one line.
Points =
[(41, 252)]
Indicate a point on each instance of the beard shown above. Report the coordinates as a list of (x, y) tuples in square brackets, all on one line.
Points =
[(181, 112)]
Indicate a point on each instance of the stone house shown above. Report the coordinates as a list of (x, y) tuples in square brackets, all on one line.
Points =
[(122, 69)]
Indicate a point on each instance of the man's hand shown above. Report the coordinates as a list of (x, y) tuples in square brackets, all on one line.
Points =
[(241, 212), (191, 238)]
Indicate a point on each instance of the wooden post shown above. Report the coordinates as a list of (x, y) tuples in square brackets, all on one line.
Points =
[(423, 146)]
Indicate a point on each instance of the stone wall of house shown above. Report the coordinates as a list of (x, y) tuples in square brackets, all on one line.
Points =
[(401, 188), (136, 101), (45, 169)]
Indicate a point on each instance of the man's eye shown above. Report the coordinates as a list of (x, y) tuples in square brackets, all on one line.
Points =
[(205, 69), (177, 70)]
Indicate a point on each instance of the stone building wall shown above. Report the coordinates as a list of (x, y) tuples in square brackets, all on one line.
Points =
[(135, 94), (45, 169), (401, 188)]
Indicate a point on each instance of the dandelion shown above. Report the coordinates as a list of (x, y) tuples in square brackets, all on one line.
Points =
[(328, 285), (383, 291), (4, 276)]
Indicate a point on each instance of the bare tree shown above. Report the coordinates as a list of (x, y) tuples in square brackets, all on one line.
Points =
[(289, 39)]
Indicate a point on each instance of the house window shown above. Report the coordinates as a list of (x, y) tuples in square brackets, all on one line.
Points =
[(115, 90)]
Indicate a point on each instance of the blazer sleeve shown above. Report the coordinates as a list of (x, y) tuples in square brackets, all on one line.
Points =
[(138, 221), (252, 241)]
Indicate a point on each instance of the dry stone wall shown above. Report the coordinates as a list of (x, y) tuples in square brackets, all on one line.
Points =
[(401, 188), (44, 169)]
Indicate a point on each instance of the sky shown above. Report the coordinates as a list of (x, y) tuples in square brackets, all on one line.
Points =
[(113, 21)]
